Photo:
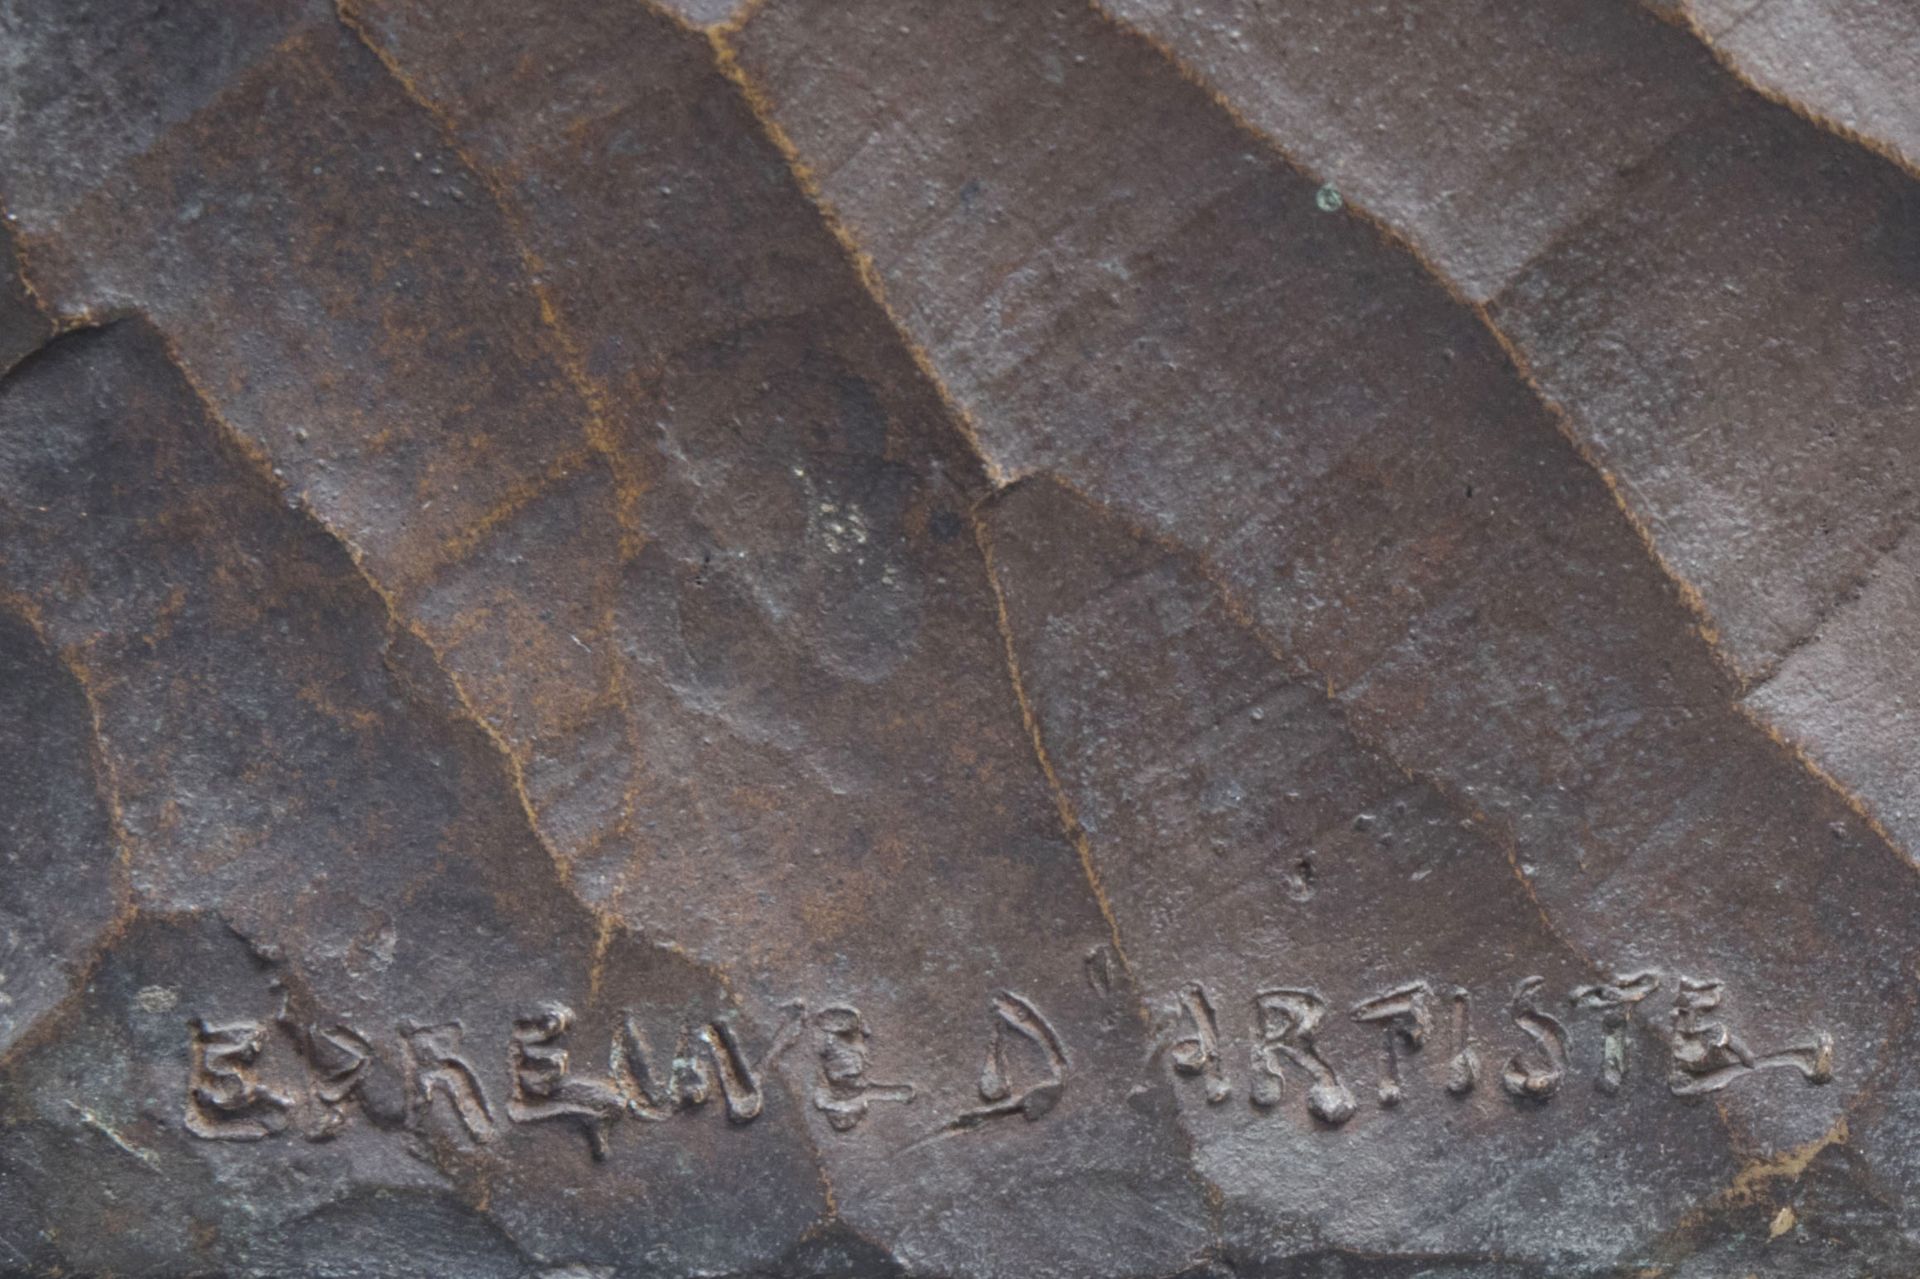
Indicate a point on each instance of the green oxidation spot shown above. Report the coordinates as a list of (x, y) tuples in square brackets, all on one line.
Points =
[(1328, 199), (1614, 1052)]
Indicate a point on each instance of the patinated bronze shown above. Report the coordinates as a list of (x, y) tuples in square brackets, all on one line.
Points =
[(959, 639)]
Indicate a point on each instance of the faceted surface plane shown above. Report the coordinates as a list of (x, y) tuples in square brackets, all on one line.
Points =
[(959, 639)]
